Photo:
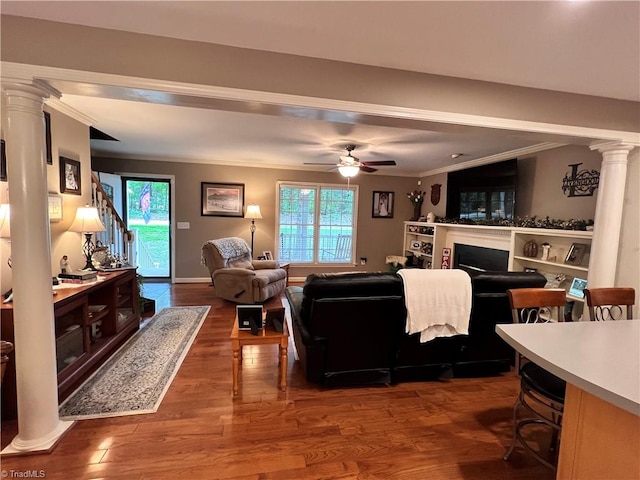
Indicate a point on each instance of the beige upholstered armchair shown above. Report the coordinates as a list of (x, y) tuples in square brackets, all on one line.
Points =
[(238, 278)]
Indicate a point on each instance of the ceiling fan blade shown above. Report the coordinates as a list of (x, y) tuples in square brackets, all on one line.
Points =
[(380, 162), (364, 168)]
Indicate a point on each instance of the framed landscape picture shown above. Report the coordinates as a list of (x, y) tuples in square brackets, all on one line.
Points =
[(222, 199)]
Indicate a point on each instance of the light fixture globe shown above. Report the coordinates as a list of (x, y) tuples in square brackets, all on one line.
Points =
[(348, 170)]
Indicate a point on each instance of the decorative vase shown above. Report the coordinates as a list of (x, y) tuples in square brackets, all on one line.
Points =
[(416, 212)]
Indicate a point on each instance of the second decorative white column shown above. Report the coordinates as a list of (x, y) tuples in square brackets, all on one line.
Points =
[(608, 217)]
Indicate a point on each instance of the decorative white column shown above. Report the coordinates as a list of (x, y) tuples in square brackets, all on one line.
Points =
[(39, 427), (608, 217)]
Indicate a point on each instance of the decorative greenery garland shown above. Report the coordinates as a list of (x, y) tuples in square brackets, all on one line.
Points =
[(528, 222)]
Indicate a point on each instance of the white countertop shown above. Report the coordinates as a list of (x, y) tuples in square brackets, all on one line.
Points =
[(601, 358)]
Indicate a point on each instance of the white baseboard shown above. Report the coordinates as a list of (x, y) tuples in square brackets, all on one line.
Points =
[(193, 280)]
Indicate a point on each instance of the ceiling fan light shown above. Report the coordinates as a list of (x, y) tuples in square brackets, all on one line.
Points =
[(348, 170)]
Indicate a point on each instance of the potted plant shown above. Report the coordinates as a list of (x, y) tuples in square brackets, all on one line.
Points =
[(146, 305)]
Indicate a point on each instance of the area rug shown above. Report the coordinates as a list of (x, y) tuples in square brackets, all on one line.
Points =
[(135, 379)]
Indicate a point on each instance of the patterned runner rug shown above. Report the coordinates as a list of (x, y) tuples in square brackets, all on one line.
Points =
[(135, 379)]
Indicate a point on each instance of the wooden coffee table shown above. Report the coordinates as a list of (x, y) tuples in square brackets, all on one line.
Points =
[(240, 338)]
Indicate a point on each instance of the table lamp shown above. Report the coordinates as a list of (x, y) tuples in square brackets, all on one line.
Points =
[(253, 212), (87, 221)]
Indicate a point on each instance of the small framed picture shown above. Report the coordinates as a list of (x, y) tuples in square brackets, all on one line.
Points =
[(222, 199), (3, 162), (47, 138), (55, 208), (267, 255), (576, 254), (382, 205), (577, 287), (70, 181)]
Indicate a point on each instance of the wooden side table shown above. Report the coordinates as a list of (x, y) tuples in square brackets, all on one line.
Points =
[(240, 338), (285, 267)]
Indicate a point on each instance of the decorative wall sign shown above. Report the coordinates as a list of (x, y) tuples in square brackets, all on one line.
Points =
[(446, 258), (581, 183), (435, 193)]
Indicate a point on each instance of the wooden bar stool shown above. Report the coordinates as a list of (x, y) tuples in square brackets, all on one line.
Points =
[(610, 303), (541, 392)]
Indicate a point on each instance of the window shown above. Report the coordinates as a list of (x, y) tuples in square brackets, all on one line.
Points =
[(316, 223)]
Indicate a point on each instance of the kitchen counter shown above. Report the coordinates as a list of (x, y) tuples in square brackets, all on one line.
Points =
[(600, 361)]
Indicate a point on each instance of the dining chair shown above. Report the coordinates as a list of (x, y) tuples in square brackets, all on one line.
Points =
[(610, 303), (541, 392)]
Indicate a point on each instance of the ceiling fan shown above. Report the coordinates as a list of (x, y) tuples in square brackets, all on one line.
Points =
[(349, 166)]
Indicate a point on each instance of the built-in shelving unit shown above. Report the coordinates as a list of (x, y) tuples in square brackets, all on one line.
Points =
[(91, 322), (426, 241)]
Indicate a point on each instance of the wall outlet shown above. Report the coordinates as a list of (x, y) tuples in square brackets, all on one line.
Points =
[(363, 260), (184, 225)]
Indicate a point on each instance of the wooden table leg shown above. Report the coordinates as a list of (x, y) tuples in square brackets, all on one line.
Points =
[(236, 366), (283, 366)]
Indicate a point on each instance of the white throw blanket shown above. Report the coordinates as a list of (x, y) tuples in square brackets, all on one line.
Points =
[(438, 302)]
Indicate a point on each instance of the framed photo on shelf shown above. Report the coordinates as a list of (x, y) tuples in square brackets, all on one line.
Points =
[(577, 287), (576, 254), (222, 199), (70, 181), (267, 255), (382, 205)]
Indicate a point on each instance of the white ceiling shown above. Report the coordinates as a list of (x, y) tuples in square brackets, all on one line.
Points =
[(587, 47)]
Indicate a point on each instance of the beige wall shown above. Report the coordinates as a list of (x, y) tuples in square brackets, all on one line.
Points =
[(440, 210), (540, 177), (70, 139), (376, 237)]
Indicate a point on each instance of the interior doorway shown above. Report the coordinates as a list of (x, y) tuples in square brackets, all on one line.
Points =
[(147, 212)]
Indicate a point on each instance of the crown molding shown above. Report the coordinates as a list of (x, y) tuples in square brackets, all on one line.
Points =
[(519, 152), (62, 107)]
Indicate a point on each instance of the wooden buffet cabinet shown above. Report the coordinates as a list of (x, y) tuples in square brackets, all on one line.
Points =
[(91, 321)]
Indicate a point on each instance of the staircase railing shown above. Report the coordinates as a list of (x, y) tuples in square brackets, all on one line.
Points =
[(117, 237)]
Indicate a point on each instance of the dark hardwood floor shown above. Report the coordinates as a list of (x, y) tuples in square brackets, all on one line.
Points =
[(452, 429)]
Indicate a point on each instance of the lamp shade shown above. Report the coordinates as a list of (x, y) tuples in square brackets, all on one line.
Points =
[(5, 231), (87, 220), (348, 170), (253, 211)]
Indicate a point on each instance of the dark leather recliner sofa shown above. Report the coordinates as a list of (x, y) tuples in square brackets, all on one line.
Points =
[(349, 329)]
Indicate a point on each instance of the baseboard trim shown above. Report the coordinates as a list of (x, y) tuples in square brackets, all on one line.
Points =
[(193, 280)]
